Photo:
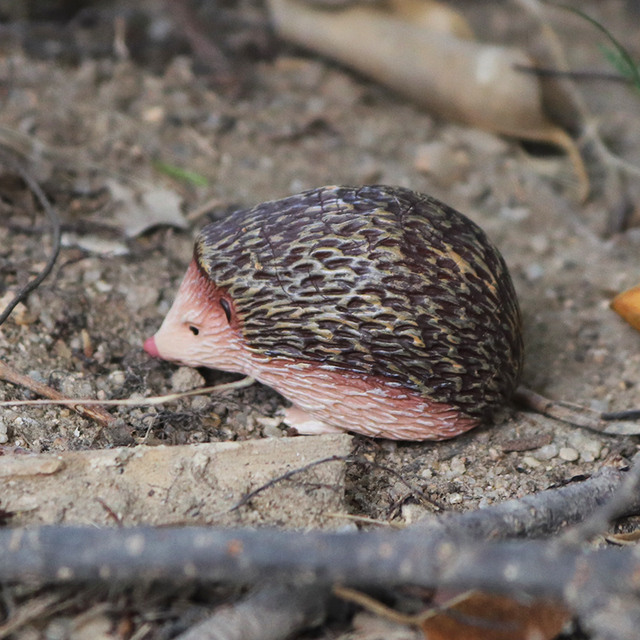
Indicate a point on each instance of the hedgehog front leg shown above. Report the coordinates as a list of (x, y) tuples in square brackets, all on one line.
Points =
[(305, 424)]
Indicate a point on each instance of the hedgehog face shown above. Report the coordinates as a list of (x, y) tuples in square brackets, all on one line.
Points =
[(201, 329)]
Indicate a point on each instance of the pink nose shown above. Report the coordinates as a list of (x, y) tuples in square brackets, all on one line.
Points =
[(151, 348)]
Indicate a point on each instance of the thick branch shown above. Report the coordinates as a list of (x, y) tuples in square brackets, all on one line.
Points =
[(63, 554)]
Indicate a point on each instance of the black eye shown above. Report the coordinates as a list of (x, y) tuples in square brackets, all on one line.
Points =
[(194, 330), (226, 307)]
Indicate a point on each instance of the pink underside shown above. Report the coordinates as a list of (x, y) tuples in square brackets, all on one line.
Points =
[(361, 404)]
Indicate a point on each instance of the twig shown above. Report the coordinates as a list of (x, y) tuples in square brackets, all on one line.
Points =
[(289, 474), (8, 374), (127, 402), (366, 520), (285, 476), (630, 414), (55, 233), (271, 612), (35, 609), (573, 75), (573, 414)]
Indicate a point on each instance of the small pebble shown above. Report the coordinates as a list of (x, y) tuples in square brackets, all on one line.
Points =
[(198, 403), (58, 629), (154, 114), (102, 286), (539, 243), (514, 214), (96, 628), (139, 297), (4, 432), (548, 452), (589, 448), (534, 272), (117, 378), (455, 498), (531, 462), (272, 431), (412, 513), (185, 379), (458, 466), (568, 454), (37, 376), (480, 141), (439, 160), (76, 387), (601, 406), (270, 426)]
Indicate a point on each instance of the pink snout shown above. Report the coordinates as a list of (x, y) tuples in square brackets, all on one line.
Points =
[(151, 348)]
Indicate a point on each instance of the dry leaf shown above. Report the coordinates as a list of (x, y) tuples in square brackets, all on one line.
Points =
[(462, 80), (138, 212), (95, 245), (627, 306), (481, 616)]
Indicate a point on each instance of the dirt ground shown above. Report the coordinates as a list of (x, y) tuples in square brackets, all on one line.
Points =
[(92, 124)]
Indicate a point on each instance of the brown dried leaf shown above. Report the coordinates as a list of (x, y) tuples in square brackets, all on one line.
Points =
[(481, 616), (627, 306)]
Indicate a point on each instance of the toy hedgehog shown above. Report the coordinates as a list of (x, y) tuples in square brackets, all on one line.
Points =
[(373, 309)]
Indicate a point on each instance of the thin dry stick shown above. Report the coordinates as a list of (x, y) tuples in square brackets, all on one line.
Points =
[(595, 76), (55, 226), (289, 474), (128, 402), (375, 606), (34, 609), (9, 374), (285, 476), (576, 415)]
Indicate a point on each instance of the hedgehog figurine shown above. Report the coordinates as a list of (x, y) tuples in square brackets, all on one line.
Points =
[(375, 310)]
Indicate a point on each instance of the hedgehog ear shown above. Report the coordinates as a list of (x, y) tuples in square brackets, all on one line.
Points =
[(226, 307)]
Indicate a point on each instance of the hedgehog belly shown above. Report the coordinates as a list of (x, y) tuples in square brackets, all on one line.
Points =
[(329, 401)]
